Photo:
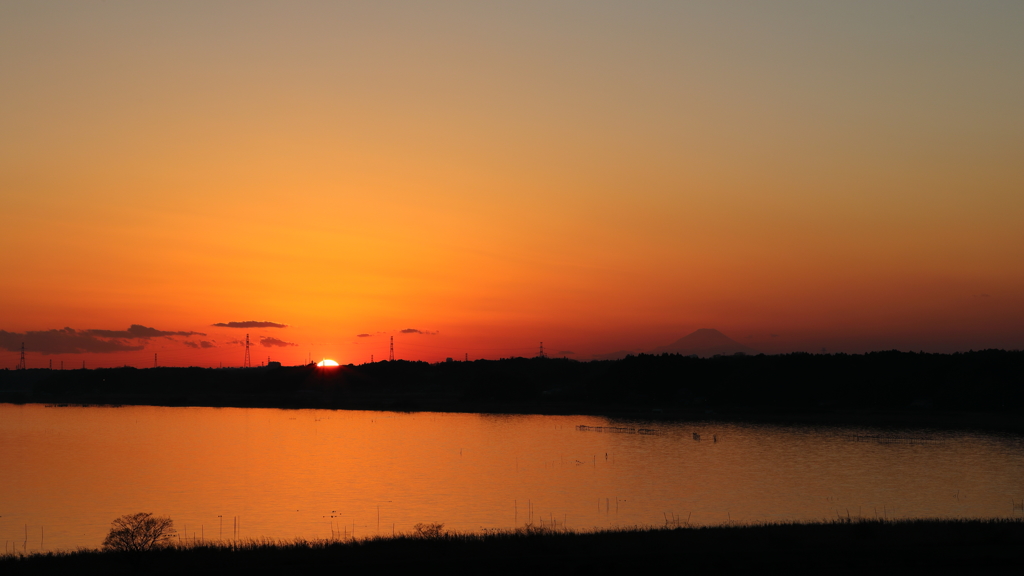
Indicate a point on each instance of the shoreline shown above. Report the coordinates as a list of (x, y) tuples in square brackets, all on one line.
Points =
[(946, 421)]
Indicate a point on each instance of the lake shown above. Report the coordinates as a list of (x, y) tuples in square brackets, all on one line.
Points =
[(66, 472)]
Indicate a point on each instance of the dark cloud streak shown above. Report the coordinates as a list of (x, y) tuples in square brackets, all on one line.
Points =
[(250, 324), (200, 344), (64, 341), (415, 331), (270, 342), (138, 331)]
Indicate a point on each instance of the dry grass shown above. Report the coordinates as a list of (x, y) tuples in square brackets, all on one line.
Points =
[(841, 545)]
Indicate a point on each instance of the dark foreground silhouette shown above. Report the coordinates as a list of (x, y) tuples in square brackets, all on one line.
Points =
[(983, 389), (858, 547)]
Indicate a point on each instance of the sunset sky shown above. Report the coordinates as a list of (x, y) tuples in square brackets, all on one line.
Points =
[(475, 178)]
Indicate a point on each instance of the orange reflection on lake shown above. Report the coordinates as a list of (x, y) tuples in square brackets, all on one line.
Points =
[(68, 471)]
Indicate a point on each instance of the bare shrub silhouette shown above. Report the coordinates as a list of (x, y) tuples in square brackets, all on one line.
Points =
[(139, 532), (429, 531)]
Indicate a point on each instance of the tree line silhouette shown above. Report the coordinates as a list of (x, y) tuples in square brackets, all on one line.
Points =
[(987, 381)]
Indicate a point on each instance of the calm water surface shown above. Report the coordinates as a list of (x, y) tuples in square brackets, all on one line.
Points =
[(65, 473)]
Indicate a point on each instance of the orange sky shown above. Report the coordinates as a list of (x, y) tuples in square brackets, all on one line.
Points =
[(597, 176)]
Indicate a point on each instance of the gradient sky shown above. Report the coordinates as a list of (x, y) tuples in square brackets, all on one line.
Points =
[(599, 176)]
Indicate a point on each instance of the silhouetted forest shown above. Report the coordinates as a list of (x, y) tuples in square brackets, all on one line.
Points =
[(909, 387)]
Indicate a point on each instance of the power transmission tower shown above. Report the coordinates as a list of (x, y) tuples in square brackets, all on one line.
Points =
[(391, 353), (467, 356), (246, 363), (21, 363), (542, 351), (371, 358), (154, 360)]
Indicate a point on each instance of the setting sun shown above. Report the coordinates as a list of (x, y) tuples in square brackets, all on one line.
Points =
[(326, 362)]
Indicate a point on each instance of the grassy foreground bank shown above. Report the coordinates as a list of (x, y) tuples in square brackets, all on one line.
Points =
[(939, 546)]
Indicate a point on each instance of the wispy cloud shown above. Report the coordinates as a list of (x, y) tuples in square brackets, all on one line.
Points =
[(415, 331), (270, 342), (64, 341), (250, 324), (200, 344), (138, 331), (363, 335)]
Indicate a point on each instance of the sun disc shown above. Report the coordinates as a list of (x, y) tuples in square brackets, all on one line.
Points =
[(326, 362)]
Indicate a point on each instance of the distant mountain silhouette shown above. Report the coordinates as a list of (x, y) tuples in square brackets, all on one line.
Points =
[(705, 342)]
